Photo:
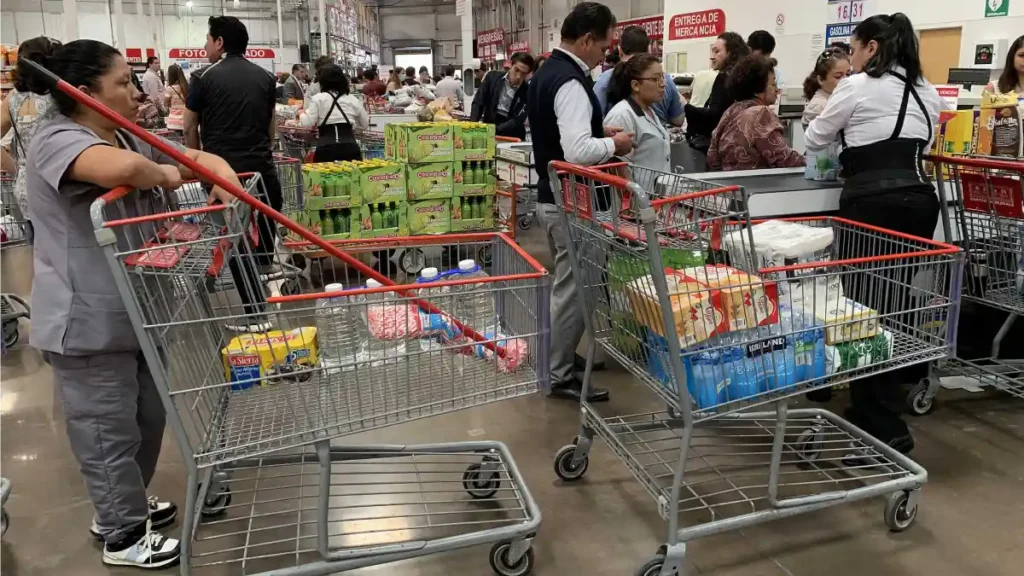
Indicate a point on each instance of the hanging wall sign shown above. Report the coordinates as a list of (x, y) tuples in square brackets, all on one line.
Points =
[(134, 55), (522, 46), (200, 53), (701, 24)]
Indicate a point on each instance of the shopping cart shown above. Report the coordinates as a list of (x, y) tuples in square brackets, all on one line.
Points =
[(176, 136), (289, 172), (14, 231), (710, 462), (989, 225), (297, 142), (372, 144), (257, 434), (506, 207), (5, 491)]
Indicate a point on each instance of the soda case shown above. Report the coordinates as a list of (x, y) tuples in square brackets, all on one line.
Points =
[(383, 219), (429, 217), (418, 142), (430, 181), (474, 141), (330, 186), (380, 180), (339, 224), (474, 178), (472, 213)]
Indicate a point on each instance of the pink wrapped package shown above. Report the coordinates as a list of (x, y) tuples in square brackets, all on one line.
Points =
[(394, 321)]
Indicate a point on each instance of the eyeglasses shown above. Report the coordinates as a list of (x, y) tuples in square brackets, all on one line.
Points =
[(655, 79), (830, 52)]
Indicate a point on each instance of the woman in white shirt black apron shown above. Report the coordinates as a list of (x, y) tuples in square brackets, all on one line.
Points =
[(885, 118), (336, 114)]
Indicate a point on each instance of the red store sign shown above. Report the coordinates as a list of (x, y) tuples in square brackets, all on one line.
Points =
[(200, 53), (703, 24), (489, 37), (522, 46), (653, 25), (134, 55)]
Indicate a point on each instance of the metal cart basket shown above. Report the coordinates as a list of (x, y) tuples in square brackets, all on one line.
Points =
[(673, 291), (989, 224), (255, 414), (14, 231)]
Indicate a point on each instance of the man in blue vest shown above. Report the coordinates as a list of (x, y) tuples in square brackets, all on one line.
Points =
[(566, 123)]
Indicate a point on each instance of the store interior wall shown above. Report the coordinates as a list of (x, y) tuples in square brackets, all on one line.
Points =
[(802, 20)]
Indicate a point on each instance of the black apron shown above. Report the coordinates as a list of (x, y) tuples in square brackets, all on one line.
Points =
[(889, 165), (336, 142)]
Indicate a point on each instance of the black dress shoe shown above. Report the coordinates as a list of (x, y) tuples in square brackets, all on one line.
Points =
[(579, 364), (572, 390)]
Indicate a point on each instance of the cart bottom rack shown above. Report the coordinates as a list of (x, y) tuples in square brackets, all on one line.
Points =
[(326, 509)]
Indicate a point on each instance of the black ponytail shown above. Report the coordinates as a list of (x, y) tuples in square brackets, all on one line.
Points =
[(79, 63), (897, 45), (39, 49), (620, 86)]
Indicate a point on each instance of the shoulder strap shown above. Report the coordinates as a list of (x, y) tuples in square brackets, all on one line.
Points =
[(334, 104), (908, 91)]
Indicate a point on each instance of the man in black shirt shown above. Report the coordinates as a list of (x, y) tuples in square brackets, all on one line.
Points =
[(231, 108)]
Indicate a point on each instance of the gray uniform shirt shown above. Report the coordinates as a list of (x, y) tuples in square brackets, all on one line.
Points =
[(651, 147), (76, 307)]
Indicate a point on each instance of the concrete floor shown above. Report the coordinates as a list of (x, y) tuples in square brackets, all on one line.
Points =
[(971, 520)]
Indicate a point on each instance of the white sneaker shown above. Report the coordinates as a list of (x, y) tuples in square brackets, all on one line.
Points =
[(151, 552), (160, 514)]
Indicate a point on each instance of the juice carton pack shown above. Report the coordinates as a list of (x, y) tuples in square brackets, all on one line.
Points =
[(337, 224), (474, 141), (695, 317), (999, 126), (429, 181), (252, 358), (329, 186), (383, 220), (745, 300), (472, 213), (424, 142), (846, 320), (430, 217), (474, 178), (381, 180)]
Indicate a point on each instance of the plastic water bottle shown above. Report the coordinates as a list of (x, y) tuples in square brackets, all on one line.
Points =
[(434, 294), (336, 323), (476, 308), (372, 349)]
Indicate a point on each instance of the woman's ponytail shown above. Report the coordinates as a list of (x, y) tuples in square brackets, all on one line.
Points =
[(902, 37), (40, 50), (897, 45)]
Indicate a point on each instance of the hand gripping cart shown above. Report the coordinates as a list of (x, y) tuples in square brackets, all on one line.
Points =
[(645, 260), (989, 224)]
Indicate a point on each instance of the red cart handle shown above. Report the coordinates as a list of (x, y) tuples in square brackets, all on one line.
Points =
[(208, 176)]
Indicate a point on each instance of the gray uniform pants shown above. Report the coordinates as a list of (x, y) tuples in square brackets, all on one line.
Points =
[(567, 324), (115, 424)]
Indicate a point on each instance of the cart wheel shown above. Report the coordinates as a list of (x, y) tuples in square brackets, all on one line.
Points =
[(483, 256), (808, 449), (11, 333), (500, 565), (216, 504), (897, 517), (564, 467), (673, 412), (412, 261), (291, 287), (298, 261), (5, 522), (918, 401), (652, 568), (480, 484), (525, 222)]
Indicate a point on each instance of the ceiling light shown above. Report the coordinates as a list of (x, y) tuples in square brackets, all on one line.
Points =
[(188, 4), (237, 2)]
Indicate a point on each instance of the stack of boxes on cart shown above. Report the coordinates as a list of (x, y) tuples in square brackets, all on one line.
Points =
[(436, 178), (742, 335)]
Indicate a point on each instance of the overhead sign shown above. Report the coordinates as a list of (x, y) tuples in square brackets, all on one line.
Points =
[(134, 55), (460, 7), (846, 11), (996, 8), (951, 94), (521, 46), (697, 24), (490, 44), (653, 25), (838, 33), (200, 53)]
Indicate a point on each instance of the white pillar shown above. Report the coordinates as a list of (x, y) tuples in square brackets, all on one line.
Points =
[(280, 27), (467, 34), (70, 18), (119, 38), (156, 27), (321, 9)]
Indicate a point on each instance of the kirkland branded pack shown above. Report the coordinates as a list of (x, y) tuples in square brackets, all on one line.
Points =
[(429, 181), (423, 142), (430, 217), (252, 358)]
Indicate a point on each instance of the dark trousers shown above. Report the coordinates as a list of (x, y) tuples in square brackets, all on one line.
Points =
[(244, 268), (911, 210), (337, 152)]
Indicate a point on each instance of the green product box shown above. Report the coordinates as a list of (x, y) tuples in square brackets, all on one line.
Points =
[(424, 142), (383, 219), (430, 217), (382, 181), (343, 225), (301, 219), (474, 178), (429, 181), (390, 141), (472, 213), (474, 141), (329, 183)]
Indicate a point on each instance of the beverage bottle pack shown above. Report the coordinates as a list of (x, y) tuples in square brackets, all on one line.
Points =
[(476, 307)]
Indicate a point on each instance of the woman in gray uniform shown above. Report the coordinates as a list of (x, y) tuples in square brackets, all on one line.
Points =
[(112, 411)]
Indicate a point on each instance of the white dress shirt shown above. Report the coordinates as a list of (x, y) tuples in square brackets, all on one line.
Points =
[(320, 103), (866, 109), (573, 110), (449, 87), (153, 86)]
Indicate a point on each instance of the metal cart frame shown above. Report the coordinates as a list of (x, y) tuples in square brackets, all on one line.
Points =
[(17, 232), (718, 460)]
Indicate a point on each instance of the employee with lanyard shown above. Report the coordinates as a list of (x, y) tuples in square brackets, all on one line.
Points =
[(336, 114), (885, 117)]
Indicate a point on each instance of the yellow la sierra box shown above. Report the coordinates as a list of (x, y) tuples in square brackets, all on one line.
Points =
[(252, 358)]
